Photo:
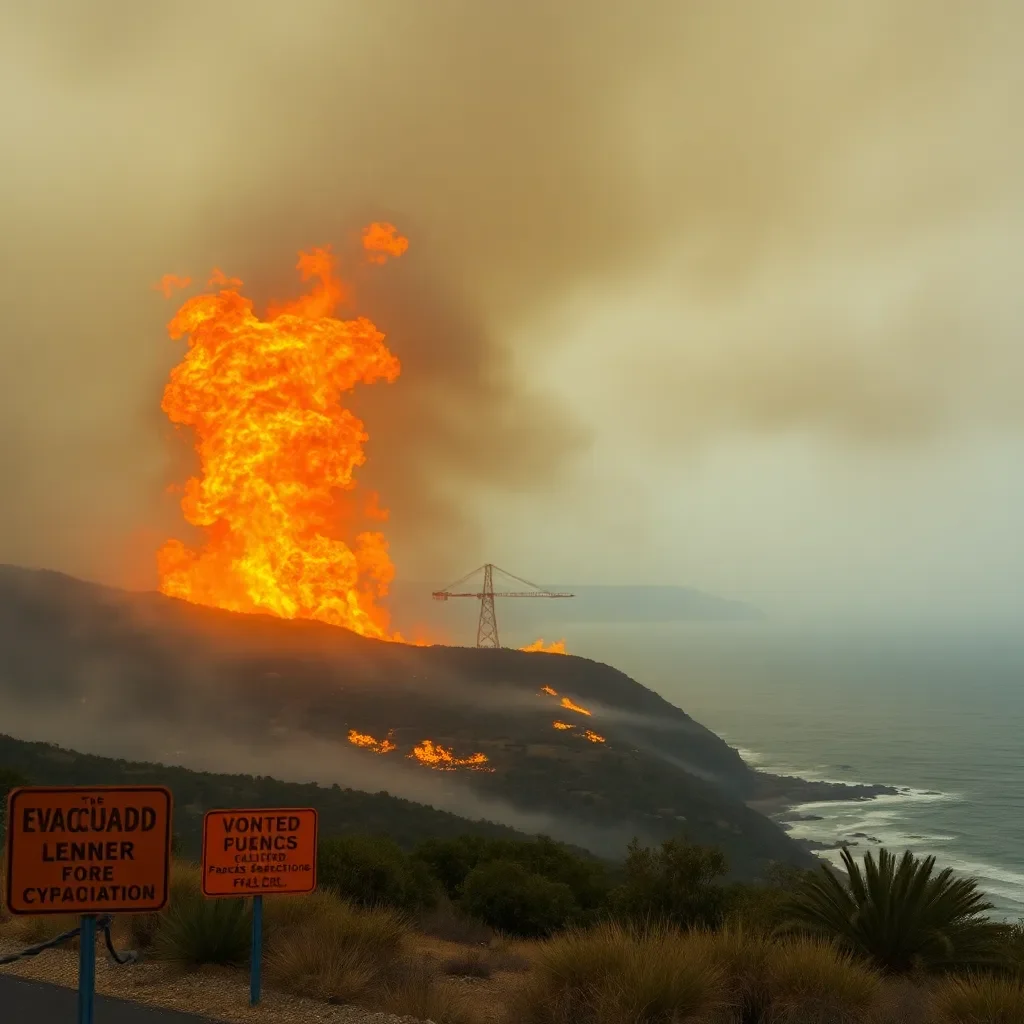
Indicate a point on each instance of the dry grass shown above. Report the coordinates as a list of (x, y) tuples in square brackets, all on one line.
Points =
[(613, 975), (472, 964), (979, 1000), (319, 946), (790, 982), (414, 990)]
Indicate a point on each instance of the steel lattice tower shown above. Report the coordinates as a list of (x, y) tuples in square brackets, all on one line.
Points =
[(487, 627)]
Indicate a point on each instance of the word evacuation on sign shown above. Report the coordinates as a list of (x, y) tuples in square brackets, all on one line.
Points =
[(259, 851), (88, 850)]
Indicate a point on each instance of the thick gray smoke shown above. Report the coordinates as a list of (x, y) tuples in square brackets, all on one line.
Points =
[(775, 163)]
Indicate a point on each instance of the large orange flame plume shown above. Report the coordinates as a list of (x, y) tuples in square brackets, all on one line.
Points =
[(277, 448)]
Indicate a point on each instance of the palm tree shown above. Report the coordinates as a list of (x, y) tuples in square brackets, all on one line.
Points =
[(900, 914)]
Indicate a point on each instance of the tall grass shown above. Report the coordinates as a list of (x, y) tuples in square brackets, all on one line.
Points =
[(979, 1000), (413, 990), (616, 975), (322, 947)]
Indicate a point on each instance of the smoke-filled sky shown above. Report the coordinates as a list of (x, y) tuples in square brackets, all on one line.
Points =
[(713, 293)]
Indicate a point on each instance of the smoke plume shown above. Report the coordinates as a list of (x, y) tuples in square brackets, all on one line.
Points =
[(828, 192)]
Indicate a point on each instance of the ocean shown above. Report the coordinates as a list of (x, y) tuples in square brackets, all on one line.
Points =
[(938, 715)]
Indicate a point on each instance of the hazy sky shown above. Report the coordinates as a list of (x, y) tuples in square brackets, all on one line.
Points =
[(708, 292)]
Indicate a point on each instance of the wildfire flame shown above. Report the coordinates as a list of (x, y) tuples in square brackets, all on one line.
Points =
[(277, 448), (170, 283), (361, 739), (593, 737), (383, 240), (556, 647), (570, 706), (563, 725), (442, 759), (547, 689)]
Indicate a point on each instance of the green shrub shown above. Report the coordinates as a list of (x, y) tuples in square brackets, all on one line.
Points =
[(901, 915), (196, 931), (506, 896), (675, 884), (614, 975), (372, 871), (979, 1000), (450, 861), (763, 906)]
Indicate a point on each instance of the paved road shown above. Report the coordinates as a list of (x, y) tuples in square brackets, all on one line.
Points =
[(34, 1002)]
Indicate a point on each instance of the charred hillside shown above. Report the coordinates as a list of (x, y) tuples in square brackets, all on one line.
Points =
[(144, 676)]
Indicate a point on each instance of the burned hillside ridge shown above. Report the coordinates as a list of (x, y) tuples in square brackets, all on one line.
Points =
[(281, 697)]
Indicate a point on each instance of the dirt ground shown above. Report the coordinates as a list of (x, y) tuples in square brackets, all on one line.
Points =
[(222, 994)]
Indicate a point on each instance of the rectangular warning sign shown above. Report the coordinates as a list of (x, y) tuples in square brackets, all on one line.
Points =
[(88, 849), (259, 852)]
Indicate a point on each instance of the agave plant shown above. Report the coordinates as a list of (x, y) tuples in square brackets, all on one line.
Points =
[(900, 914)]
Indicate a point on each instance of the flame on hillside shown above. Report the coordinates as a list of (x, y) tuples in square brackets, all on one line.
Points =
[(593, 737), (555, 647), (570, 706), (433, 755), (562, 725), (278, 448), (547, 689), (361, 739)]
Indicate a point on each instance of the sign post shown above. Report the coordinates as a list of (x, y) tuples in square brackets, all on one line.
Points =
[(260, 852), (88, 850)]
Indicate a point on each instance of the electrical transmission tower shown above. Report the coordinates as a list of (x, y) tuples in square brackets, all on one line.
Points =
[(487, 629)]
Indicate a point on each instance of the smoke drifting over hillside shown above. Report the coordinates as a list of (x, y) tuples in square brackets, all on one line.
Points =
[(828, 194)]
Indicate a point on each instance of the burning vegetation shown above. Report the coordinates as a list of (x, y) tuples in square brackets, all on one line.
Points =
[(433, 755), (278, 449), (555, 647), (384, 746), (562, 725), (570, 706), (593, 737)]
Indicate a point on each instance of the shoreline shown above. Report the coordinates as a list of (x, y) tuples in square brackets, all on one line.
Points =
[(777, 795)]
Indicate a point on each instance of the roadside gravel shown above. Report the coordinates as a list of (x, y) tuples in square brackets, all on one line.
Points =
[(216, 993)]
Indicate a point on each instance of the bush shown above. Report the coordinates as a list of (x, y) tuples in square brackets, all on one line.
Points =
[(763, 906), (450, 861), (674, 884), (506, 896), (615, 975), (372, 871), (901, 915), (979, 1000), (320, 947), (196, 931)]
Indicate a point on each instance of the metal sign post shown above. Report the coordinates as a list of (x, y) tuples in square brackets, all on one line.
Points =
[(86, 969), (88, 850), (256, 852), (256, 954)]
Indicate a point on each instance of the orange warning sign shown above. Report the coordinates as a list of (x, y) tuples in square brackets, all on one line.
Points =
[(259, 852), (88, 849)]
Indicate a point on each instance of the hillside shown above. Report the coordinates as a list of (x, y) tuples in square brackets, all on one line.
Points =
[(144, 677), (340, 810)]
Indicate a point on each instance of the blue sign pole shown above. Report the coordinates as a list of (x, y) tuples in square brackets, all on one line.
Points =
[(256, 956), (86, 969)]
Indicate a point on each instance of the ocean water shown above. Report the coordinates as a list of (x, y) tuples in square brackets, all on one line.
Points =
[(938, 715)]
